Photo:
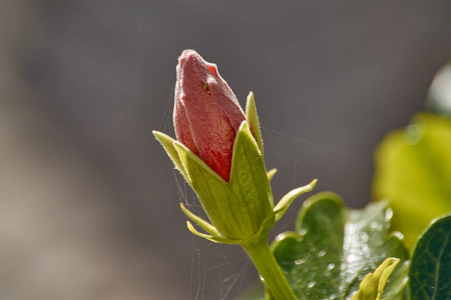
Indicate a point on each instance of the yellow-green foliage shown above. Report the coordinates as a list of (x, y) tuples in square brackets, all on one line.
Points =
[(413, 172)]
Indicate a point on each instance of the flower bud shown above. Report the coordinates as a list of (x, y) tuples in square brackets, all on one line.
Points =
[(219, 151), (207, 114)]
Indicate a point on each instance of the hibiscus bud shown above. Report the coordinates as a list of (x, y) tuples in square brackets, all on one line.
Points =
[(220, 157), (207, 114)]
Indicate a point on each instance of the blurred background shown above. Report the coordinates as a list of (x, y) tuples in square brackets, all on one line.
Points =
[(90, 202)]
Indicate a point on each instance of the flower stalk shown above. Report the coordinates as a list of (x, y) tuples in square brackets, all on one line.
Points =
[(266, 265)]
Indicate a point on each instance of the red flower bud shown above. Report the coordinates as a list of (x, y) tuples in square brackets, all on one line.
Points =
[(207, 114)]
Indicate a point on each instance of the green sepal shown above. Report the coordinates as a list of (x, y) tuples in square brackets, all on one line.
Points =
[(266, 225), (216, 239), (193, 165), (372, 286), (252, 118), (211, 189), (252, 199), (270, 174), (199, 221), (168, 144), (284, 203)]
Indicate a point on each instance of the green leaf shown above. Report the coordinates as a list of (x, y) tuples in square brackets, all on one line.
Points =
[(413, 172), (372, 286), (430, 271), (333, 248)]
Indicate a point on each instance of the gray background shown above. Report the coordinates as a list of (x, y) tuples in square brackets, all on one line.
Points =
[(89, 201)]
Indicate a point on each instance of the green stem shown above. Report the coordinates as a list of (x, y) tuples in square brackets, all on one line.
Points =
[(263, 259)]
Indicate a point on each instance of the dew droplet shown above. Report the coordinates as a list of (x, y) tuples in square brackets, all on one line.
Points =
[(333, 297), (321, 253), (352, 258), (303, 231), (311, 284), (365, 248), (299, 261), (363, 236), (398, 234), (330, 266), (388, 215), (376, 225)]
